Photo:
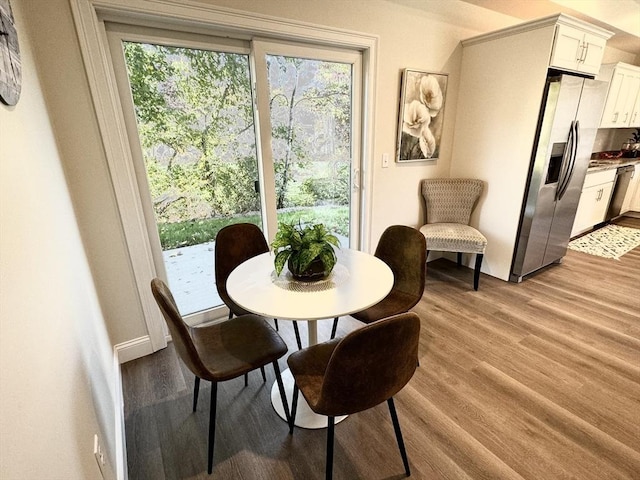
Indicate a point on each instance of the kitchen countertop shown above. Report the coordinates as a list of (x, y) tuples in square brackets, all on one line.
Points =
[(597, 165)]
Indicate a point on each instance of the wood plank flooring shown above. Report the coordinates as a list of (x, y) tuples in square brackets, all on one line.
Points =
[(538, 380)]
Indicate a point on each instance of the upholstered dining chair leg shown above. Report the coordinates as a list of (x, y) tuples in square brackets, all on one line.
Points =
[(294, 408), (196, 391), (476, 272), (275, 320), (459, 259), (335, 327), (330, 428), (212, 424), (297, 331), (396, 428), (246, 379), (264, 375), (283, 395)]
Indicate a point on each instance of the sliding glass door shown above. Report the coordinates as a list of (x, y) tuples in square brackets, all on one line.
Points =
[(189, 104), (312, 133)]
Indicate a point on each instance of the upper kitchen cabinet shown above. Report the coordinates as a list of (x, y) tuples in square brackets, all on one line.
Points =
[(623, 99), (578, 47)]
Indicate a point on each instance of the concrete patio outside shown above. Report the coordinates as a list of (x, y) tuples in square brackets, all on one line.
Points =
[(190, 271)]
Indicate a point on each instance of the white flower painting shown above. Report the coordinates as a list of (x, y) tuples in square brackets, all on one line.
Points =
[(421, 115)]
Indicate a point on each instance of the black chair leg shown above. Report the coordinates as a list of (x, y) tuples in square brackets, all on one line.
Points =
[(476, 272), (212, 424), (335, 327), (283, 395), (294, 408), (264, 375), (246, 379), (196, 391), (275, 320), (330, 428), (396, 427), (459, 258), (295, 329)]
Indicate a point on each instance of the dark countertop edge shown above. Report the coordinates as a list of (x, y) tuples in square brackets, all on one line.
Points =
[(629, 161)]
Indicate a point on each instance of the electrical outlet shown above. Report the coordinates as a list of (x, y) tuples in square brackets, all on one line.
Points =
[(385, 160), (98, 453)]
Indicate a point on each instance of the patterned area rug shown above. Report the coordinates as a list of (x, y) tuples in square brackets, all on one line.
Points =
[(611, 241)]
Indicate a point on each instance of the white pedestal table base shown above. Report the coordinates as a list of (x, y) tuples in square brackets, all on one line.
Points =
[(305, 417)]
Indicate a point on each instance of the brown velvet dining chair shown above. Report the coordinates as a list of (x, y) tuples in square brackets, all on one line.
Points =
[(235, 244), (352, 374), (448, 204), (221, 351), (403, 249)]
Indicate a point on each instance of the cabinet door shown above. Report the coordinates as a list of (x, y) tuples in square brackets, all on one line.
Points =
[(567, 48), (632, 192), (591, 55), (623, 91), (592, 207), (633, 101)]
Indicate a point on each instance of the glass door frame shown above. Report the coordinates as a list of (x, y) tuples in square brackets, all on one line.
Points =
[(257, 50)]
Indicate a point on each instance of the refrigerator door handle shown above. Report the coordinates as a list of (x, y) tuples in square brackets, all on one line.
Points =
[(571, 161)]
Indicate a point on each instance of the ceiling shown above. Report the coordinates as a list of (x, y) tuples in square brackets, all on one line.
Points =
[(622, 17)]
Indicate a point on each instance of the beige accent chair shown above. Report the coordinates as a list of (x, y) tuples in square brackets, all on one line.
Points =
[(449, 203)]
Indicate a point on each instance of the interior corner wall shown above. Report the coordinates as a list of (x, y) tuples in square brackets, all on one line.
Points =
[(56, 360)]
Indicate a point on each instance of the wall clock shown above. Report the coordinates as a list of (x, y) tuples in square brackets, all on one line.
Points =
[(10, 66)]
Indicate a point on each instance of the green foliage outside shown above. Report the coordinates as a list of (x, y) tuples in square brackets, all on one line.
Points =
[(194, 232), (194, 113)]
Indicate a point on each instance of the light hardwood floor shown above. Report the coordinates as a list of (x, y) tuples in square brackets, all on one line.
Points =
[(538, 380)]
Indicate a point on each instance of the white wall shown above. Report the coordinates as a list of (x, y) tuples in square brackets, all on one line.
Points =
[(56, 367)]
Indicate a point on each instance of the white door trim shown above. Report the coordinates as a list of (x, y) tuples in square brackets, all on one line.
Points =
[(89, 17)]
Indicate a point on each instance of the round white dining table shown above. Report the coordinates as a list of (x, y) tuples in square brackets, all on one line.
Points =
[(358, 281)]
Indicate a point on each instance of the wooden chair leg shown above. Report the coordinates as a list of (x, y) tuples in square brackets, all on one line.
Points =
[(212, 425), (283, 395), (330, 428), (294, 408), (335, 327), (196, 391), (297, 331), (476, 272), (396, 428)]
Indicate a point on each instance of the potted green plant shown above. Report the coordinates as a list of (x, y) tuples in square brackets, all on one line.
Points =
[(308, 250), (632, 147)]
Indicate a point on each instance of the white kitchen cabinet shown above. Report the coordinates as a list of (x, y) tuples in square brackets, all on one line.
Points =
[(577, 49), (622, 107), (594, 200), (632, 199)]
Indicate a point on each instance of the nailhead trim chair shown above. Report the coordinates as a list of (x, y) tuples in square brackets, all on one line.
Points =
[(222, 351), (236, 244), (403, 249), (363, 369), (449, 203)]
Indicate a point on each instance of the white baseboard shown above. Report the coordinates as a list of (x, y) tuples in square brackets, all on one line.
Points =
[(132, 349), (122, 473)]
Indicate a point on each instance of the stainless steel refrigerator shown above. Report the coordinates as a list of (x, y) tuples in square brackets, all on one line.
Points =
[(567, 128)]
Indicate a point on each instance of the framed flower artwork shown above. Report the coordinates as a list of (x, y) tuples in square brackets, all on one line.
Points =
[(422, 100)]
